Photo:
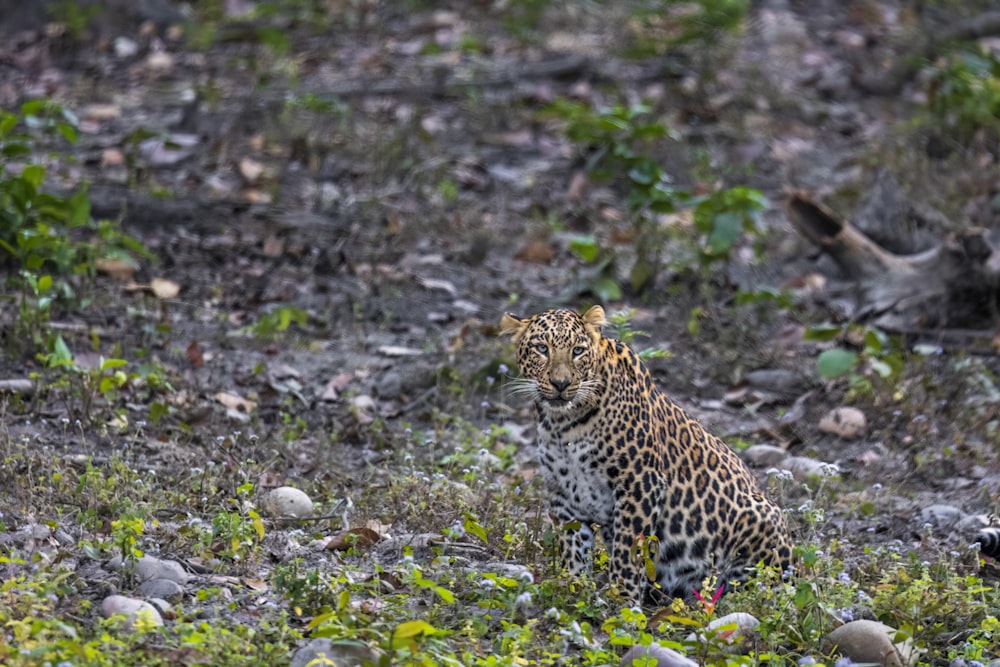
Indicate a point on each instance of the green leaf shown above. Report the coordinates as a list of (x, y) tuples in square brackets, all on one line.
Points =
[(585, 247), (414, 628), (32, 107), (60, 352), (108, 364), (875, 340), (44, 283), (822, 332), (836, 362), (445, 594), (157, 411), (726, 229), (34, 174), (79, 208), (67, 131), (607, 289), (475, 529)]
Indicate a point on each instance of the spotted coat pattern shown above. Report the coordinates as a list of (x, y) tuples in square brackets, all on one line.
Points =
[(615, 451)]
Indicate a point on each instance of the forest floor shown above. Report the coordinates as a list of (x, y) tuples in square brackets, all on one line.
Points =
[(339, 205)]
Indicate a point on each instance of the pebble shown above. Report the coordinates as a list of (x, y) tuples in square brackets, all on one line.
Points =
[(845, 422), (871, 641), (162, 588), (342, 654), (764, 456), (802, 468), (135, 611), (942, 517), (148, 567), (665, 657), (288, 501), (742, 620)]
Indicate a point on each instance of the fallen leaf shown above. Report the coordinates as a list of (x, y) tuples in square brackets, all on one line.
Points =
[(250, 169), (195, 355), (355, 537), (119, 269), (112, 157), (399, 351), (332, 390), (434, 283), (537, 252), (164, 288), (235, 402), (274, 246)]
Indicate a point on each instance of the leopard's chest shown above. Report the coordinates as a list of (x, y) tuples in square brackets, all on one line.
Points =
[(574, 472)]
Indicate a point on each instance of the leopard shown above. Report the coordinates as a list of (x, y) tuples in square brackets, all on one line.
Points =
[(989, 542), (617, 453)]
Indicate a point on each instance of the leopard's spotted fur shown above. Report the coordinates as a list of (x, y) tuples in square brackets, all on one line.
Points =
[(617, 452)]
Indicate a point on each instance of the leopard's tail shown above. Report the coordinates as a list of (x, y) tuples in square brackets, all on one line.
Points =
[(989, 542)]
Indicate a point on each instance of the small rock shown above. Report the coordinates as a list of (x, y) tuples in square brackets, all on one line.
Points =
[(147, 568), (942, 517), (125, 47), (134, 611), (764, 456), (803, 468), (742, 620), (845, 422), (325, 653), (162, 588), (871, 641), (288, 501), (664, 657)]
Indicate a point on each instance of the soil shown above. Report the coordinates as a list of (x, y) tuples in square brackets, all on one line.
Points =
[(413, 191)]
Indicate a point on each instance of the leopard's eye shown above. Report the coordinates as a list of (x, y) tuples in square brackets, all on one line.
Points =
[(578, 350), (542, 348)]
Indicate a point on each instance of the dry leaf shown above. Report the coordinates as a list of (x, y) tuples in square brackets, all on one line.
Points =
[(195, 355), (537, 252), (164, 288), (235, 402), (355, 537), (118, 269), (399, 351), (274, 246), (434, 283), (250, 169), (333, 387)]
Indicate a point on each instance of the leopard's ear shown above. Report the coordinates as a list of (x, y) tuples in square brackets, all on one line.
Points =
[(512, 326), (594, 319)]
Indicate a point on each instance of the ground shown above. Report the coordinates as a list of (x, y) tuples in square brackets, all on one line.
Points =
[(349, 199)]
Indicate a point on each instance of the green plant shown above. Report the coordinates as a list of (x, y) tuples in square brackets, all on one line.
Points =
[(620, 322), (875, 356), (49, 238), (965, 92), (616, 143), (271, 325)]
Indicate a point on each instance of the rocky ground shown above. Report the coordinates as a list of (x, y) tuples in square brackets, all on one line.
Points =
[(338, 213)]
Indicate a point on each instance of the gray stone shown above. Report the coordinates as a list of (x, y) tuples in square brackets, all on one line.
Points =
[(162, 588), (664, 657), (134, 611), (942, 517), (147, 568), (325, 653), (764, 456)]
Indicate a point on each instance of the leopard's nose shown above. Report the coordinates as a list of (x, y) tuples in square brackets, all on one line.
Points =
[(560, 385)]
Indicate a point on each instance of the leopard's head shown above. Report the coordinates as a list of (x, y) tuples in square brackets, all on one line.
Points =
[(558, 352)]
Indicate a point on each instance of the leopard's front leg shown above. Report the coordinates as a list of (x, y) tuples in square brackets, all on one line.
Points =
[(575, 538), (632, 524)]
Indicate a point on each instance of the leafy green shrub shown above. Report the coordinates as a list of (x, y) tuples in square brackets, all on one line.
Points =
[(615, 142), (965, 92), (48, 238)]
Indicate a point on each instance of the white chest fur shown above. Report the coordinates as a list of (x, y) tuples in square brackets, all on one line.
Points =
[(575, 476)]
